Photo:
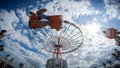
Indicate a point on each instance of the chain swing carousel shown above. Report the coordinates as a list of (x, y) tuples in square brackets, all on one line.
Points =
[(60, 37)]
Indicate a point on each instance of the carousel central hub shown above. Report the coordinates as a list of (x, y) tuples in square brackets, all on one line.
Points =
[(56, 63), (58, 46)]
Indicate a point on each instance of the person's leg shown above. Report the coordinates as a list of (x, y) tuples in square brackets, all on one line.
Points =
[(44, 19), (47, 22), (43, 16), (32, 13), (41, 11), (41, 25)]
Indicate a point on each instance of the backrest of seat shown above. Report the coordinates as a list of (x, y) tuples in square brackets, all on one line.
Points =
[(33, 22), (55, 21), (112, 33)]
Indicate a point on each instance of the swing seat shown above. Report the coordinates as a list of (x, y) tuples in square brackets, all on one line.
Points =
[(33, 22), (111, 33), (55, 22)]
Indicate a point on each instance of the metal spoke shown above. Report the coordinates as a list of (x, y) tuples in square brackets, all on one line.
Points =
[(53, 39), (73, 36), (46, 33), (41, 36), (70, 33), (66, 31)]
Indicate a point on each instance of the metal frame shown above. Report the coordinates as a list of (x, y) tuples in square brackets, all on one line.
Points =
[(70, 36)]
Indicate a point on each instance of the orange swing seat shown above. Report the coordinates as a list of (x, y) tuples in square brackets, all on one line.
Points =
[(112, 33), (33, 22), (55, 22)]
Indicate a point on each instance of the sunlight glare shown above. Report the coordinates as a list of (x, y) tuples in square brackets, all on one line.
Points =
[(93, 28)]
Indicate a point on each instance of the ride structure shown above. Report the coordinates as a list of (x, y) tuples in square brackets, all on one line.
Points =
[(113, 33), (67, 40), (60, 37)]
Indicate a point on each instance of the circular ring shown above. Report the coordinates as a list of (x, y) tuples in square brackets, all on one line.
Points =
[(67, 39)]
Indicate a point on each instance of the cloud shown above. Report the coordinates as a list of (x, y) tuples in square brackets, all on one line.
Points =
[(112, 8), (18, 44), (7, 18), (70, 8), (95, 47), (23, 15)]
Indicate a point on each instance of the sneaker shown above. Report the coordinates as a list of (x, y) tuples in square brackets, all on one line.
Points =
[(39, 12), (32, 13)]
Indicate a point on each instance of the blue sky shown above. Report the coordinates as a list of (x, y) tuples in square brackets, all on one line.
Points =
[(90, 15)]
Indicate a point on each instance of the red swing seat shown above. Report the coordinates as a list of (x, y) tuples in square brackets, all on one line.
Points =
[(111, 33), (55, 22), (33, 22)]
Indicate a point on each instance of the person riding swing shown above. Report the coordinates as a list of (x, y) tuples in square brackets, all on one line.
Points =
[(40, 20), (2, 34), (34, 21)]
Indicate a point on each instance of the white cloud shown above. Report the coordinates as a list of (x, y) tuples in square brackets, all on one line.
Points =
[(8, 21), (95, 46), (112, 8), (70, 8), (23, 16), (7, 18)]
